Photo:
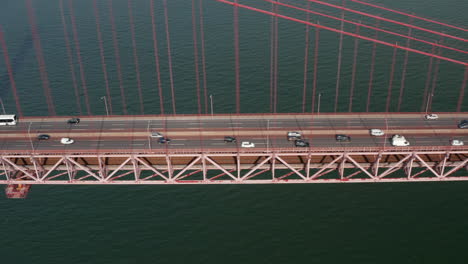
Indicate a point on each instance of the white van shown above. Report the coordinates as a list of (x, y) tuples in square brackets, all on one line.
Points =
[(399, 141), (8, 120)]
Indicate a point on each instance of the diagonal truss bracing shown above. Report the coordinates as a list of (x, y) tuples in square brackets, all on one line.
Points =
[(235, 167)]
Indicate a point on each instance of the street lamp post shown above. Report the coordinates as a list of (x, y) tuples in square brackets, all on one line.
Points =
[(105, 103), (149, 134), (268, 135), (318, 105), (3, 107), (428, 99), (29, 135), (211, 103)]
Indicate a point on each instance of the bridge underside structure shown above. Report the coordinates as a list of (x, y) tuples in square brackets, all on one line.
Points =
[(243, 167)]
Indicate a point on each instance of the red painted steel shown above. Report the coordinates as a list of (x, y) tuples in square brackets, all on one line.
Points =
[(461, 96), (353, 73), (371, 72), (369, 27), (272, 57), (428, 81), (135, 56), (195, 57), (10, 73), (103, 58), (275, 62), (306, 60), (40, 58), (390, 82), (345, 33), (389, 20), (239, 168), (403, 74), (409, 15), (236, 56), (316, 53), (169, 56), (202, 42), (70, 58), (156, 58), (338, 71), (117, 57)]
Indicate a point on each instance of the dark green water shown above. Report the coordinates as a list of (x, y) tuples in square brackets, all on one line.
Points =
[(322, 223)]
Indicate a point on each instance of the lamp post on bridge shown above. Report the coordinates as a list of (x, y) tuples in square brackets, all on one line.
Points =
[(105, 103), (428, 99), (318, 105), (211, 103), (3, 107), (29, 135)]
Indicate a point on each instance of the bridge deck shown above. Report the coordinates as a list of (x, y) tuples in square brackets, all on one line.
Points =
[(206, 133)]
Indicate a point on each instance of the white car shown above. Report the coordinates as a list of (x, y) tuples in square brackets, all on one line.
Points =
[(431, 117), (247, 144), (456, 142), (399, 141), (376, 132), (156, 135), (67, 141), (294, 135)]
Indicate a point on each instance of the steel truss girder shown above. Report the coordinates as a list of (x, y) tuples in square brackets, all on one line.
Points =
[(236, 167)]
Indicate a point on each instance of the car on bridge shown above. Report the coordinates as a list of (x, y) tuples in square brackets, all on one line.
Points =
[(164, 140), (399, 141), (294, 135), (43, 137), (376, 132), (74, 120), (67, 141), (301, 143), (155, 134), (463, 124), (342, 138), (431, 117), (247, 144), (229, 139), (456, 142)]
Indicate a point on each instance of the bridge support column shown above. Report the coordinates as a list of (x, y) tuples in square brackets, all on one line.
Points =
[(203, 160), (136, 169), (102, 167)]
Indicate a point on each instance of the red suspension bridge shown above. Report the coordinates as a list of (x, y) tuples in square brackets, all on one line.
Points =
[(382, 61)]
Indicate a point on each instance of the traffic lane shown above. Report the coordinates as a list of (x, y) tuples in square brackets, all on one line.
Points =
[(260, 142), (263, 128), (44, 126)]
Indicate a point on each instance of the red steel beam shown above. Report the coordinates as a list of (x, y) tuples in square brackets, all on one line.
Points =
[(389, 20), (369, 27), (409, 15), (345, 33)]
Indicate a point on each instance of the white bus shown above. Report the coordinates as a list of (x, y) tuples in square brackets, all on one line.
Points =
[(8, 120)]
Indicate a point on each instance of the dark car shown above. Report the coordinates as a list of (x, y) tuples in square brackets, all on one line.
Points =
[(43, 137), (229, 139), (463, 124), (301, 143), (163, 140), (73, 120), (342, 138)]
